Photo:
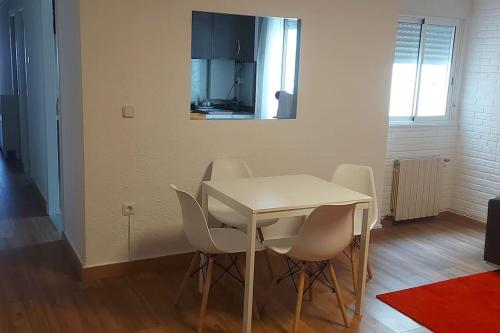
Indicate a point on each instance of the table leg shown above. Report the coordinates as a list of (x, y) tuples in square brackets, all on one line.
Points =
[(362, 264), (249, 274), (204, 207)]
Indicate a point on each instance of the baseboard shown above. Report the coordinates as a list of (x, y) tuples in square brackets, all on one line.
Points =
[(89, 274), (75, 262), (468, 217), (444, 213), (40, 197), (57, 222)]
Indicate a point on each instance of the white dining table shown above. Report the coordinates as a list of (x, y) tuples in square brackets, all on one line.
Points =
[(264, 198)]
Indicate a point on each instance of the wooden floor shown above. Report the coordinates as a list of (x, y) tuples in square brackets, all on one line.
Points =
[(39, 292)]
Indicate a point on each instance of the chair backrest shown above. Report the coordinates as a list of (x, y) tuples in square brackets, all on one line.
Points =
[(195, 224), (230, 168), (325, 233), (359, 178)]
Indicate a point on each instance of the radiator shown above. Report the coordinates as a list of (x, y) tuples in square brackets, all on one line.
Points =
[(416, 187)]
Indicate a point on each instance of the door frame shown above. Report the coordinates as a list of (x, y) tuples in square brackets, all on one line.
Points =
[(51, 94)]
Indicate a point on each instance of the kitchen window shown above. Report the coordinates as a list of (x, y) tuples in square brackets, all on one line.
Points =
[(289, 55), (423, 71)]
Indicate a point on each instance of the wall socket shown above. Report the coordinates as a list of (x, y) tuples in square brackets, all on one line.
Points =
[(128, 208), (128, 111)]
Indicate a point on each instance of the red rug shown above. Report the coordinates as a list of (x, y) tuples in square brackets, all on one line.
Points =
[(466, 304)]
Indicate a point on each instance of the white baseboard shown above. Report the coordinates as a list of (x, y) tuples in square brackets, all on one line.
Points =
[(465, 215)]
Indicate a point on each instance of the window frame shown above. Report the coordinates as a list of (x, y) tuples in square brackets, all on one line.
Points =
[(453, 84)]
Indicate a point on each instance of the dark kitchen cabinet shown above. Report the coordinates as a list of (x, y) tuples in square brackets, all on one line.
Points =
[(234, 37), (201, 39), (223, 36), (246, 38)]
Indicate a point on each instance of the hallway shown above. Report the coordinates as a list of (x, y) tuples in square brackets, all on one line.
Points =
[(29, 252), (22, 218)]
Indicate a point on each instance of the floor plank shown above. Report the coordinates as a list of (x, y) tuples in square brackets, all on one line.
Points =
[(39, 293)]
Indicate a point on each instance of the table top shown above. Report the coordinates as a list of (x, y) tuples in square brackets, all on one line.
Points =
[(268, 194)]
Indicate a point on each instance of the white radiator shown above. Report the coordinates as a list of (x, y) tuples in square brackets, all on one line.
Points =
[(416, 187)]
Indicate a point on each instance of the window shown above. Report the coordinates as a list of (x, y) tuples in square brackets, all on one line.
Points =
[(289, 55), (422, 76)]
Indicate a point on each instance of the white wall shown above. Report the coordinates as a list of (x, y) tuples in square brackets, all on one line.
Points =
[(478, 176), (414, 141), (342, 116), (438, 8), (72, 159)]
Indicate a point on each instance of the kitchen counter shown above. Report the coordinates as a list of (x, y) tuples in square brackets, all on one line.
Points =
[(221, 115)]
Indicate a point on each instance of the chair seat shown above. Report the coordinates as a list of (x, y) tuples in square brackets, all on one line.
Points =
[(229, 240), (280, 245), (229, 216)]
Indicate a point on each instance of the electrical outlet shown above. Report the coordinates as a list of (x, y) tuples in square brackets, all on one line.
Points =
[(128, 208), (128, 111)]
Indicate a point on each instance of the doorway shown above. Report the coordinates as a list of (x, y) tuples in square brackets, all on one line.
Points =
[(35, 76), (19, 84)]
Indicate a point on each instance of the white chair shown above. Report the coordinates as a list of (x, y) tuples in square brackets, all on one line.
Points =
[(209, 242), (358, 178), (324, 235), (230, 168)]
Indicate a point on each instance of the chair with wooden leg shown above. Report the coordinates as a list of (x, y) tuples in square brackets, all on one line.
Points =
[(232, 168), (209, 243), (360, 179), (324, 235)]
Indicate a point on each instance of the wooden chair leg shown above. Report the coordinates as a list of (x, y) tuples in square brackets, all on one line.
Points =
[(306, 283), (206, 291), (255, 309), (300, 293), (354, 266), (338, 294), (310, 269), (192, 265), (370, 272)]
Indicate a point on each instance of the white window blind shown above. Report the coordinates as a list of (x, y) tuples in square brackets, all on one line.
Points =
[(439, 44), (422, 70), (408, 43)]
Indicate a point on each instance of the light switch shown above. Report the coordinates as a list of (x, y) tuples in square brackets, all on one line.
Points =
[(128, 111)]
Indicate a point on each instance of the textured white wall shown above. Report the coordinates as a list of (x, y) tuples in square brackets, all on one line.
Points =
[(478, 173), (438, 8), (138, 53), (426, 141), (420, 141)]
